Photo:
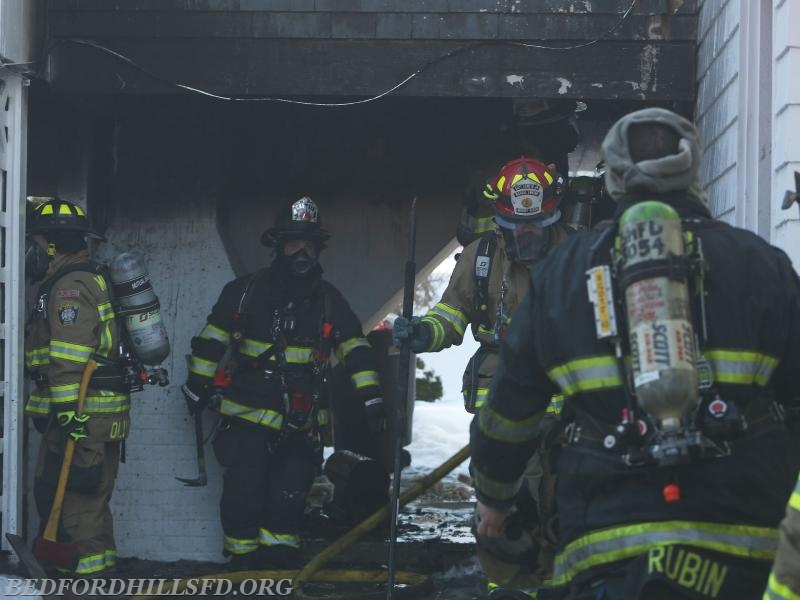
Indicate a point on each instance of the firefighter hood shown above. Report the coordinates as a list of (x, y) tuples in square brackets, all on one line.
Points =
[(672, 173)]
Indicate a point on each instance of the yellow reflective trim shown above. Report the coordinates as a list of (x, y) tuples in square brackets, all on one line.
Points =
[(101, 282), (37, 357), (535, 178), (299, 354), (437, 329), (212, 332), (64, 209), (47, 209), (556, 405), (483, 225), (451, 315), (364, 379), (742, 367), (71, 352), (111, 558), (501, 182), (253, 348), (268, 538), (497, 490), (91, 563), (79, 210), (37, 404), (259, 416), (202, 367), (779, 591), (347, 346), (107, 402), (548, 177), (516, 178), (794, 499), (240, 545), (586, 374), (106, 311), (621, 543), (496, 426)]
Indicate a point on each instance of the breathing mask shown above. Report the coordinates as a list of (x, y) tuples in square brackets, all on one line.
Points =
[(300, 256), (526, 241), (37, 261)]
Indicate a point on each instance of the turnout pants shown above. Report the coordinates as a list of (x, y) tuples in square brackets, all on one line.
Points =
[(522, 559), (264, 491), (86, 517)]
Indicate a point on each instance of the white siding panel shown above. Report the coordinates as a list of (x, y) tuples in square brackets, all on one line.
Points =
[(709, 12), (787, 79), (787, 129), (720, 116), (721, 156), (722, 195), (720, 35), (724, 70), (786, 24)]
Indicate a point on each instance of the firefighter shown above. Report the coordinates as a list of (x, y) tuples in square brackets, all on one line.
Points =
[(488, 282), (784, 581), (540, 128), (260, 362), (73, 322), (652, 506)]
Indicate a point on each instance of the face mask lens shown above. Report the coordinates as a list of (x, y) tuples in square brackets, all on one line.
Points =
[(525, 241)]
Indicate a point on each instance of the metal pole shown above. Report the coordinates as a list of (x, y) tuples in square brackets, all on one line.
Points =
[(404, 373)]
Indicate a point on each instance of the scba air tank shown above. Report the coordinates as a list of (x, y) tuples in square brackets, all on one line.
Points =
[(658, 312), (139, 308)]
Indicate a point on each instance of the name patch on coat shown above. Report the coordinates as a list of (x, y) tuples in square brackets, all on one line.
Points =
[(68, 293), (68, 314)]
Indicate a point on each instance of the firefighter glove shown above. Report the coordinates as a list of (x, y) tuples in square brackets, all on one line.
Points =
[(73, 425), (194, 401), (416, 333), (376, 415)]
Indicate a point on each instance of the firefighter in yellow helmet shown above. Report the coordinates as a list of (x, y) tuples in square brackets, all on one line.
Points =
[(72, 322), (487, 284)]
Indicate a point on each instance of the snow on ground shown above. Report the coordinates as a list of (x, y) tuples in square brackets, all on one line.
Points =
[(440, 430)]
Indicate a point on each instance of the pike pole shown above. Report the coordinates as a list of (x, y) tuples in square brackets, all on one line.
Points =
[(404, 374)]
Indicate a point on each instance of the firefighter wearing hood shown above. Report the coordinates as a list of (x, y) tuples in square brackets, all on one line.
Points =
[(635, 522), (489, 281), (260, 361)]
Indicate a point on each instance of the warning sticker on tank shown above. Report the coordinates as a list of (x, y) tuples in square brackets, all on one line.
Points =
[(598, 284), (661, 345)]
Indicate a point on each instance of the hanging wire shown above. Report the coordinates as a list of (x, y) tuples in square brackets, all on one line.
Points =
[(605, 34), (424, 67)]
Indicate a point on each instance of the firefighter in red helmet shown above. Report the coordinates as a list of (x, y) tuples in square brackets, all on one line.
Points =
[(488, 282)]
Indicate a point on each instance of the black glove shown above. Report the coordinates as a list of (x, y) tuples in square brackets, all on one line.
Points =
[(375, 410), (195, 401), (417, 333), (73, 425)]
